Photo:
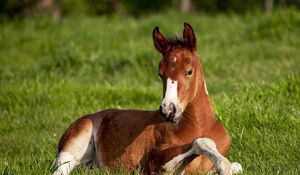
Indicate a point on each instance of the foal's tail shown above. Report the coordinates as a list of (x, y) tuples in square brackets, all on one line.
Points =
[(76, 146)]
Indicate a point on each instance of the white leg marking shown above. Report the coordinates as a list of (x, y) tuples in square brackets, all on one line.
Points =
[(170, 167), (236, 168), (206, 146), (65, 163), (81, 150)]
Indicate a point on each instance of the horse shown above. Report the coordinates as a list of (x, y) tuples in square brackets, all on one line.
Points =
[(181, 137)]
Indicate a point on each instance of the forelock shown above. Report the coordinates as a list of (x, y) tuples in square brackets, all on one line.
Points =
[(175, 40)]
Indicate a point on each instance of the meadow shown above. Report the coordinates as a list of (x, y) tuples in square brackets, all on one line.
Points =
[(52, 73)]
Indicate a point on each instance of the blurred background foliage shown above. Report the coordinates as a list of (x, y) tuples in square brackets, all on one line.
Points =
[(61, 59), (60, 8)]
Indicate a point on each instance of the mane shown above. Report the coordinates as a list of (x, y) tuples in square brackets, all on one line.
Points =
[(175, 40)]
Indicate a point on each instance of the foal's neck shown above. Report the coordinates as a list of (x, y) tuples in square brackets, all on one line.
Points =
[(198, 116), (200, 109)]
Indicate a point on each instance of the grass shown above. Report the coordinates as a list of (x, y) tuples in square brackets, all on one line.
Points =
[(52, 73)]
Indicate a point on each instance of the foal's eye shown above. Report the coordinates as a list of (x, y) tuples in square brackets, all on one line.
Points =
[(188, 73)]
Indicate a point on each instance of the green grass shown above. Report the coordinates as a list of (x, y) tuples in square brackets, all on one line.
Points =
[(50, 74)]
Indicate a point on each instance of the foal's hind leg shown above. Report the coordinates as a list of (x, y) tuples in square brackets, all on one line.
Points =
[(76, 146), (201, 146)]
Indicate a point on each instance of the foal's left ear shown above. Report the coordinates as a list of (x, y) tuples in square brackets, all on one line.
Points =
[(160, 42), (189, 39)]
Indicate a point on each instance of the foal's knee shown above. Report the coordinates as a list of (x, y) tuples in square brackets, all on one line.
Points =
[(201, 145)]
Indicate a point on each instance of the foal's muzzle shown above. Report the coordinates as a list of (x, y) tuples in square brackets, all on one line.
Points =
[(168, 112)]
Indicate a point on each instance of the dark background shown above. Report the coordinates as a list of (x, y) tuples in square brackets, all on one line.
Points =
[(57, 9)]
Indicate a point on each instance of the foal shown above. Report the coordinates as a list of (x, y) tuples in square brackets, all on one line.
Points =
[(182, 137)]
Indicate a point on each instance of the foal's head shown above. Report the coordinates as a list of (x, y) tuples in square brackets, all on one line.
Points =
[(179, 71)]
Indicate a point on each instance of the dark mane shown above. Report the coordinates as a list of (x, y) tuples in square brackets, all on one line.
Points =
[(175, 40)]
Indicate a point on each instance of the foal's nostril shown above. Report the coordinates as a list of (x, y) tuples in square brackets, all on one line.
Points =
[(172, 108), (168, 111), (173, 111)]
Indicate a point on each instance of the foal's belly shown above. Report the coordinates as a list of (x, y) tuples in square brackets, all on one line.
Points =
[(125, 152), (125, 139)]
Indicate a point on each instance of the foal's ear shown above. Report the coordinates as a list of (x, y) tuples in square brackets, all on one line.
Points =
[(160, 42), (189, 39)]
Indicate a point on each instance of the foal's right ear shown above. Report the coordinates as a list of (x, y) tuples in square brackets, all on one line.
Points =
[(160, 42), (189, 39)]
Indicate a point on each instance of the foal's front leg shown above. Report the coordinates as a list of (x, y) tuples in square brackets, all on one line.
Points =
[(201, 146)]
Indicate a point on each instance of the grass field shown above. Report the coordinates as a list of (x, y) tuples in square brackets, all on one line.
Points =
[(50, 74)]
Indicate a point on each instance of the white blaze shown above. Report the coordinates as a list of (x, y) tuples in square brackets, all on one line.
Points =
[(171, 93), (171, 97)]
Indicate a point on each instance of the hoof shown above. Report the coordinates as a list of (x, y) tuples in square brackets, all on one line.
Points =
[(236, 168), (224, 167)]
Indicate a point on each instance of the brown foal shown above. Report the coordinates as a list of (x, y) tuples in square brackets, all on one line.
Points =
[(182, 137)]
